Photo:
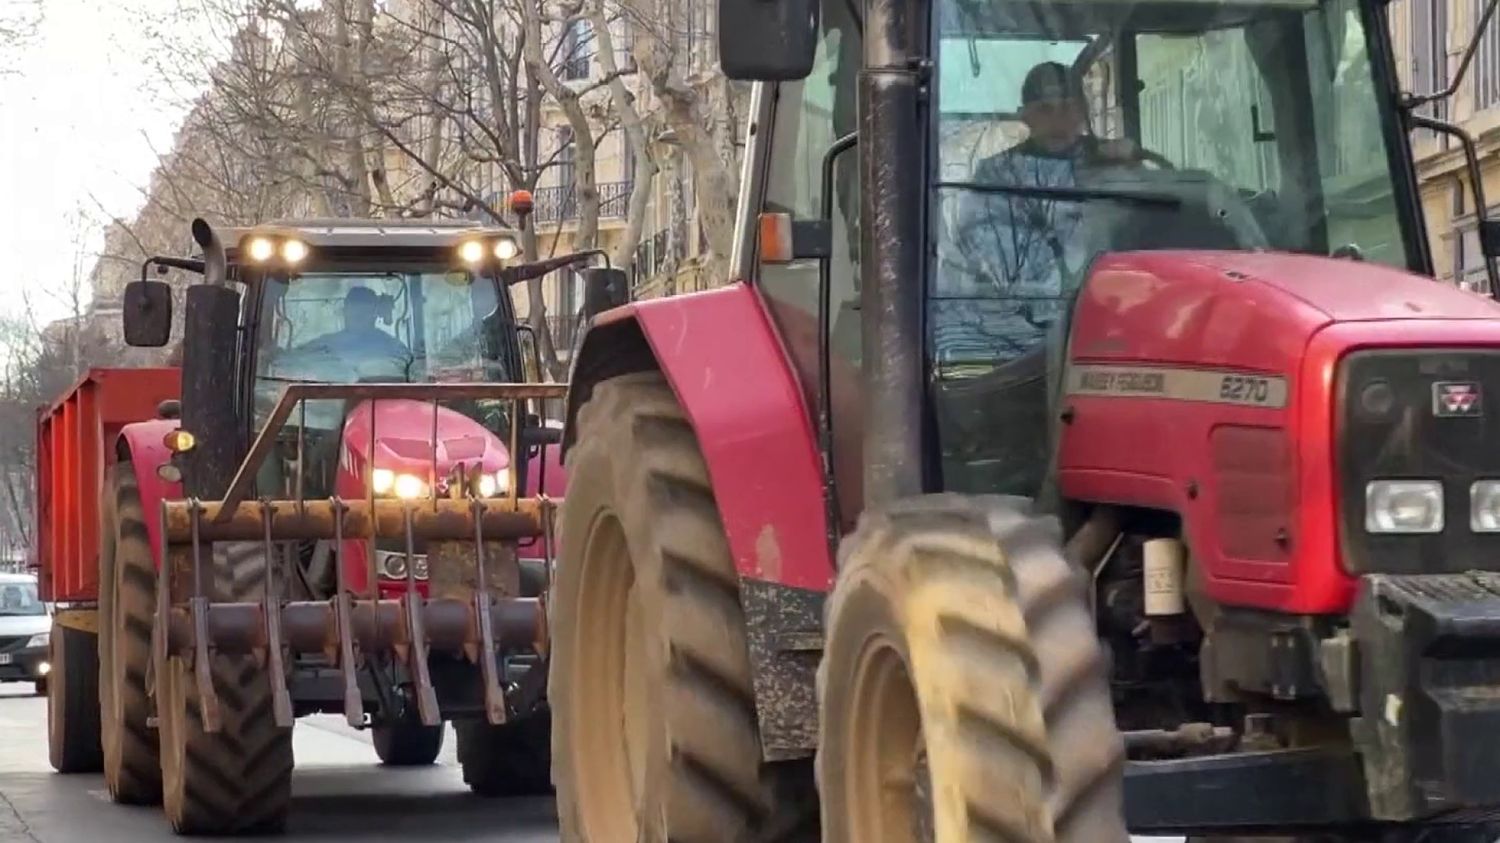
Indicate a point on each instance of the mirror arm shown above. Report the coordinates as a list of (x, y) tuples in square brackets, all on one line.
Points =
[(188, 264), (825, 335), (1476, 180), (1412, 101)]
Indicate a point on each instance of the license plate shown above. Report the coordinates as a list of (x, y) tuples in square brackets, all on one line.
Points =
[(5, 658)]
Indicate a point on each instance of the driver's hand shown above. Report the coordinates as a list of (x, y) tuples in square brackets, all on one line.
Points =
[(1119, 151)]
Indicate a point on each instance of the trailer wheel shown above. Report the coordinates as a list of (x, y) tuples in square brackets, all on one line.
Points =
[(656, 734), (127, 604), (407, 744), (237, 780), (73, 701), (512, 759), (962, 670)]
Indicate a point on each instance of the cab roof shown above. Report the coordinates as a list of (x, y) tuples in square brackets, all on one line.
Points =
[(366, 233)]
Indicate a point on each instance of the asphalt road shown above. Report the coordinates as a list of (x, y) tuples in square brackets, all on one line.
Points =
[(340, 794)]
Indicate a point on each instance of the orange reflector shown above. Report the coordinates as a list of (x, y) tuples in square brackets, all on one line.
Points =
[(775, 238), (179, 441)]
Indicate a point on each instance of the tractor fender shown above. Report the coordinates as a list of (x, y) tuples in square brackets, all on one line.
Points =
[(731, 373), (141, 443)]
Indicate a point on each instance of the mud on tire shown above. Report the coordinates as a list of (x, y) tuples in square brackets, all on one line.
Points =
[(649, 649), (127, 604), (237, 780), (960, 644)]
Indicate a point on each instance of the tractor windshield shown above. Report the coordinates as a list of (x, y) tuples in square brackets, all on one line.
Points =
[(417, 326), (1070, 129)]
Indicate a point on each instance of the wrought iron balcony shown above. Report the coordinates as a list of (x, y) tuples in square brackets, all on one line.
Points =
[(560, 203)]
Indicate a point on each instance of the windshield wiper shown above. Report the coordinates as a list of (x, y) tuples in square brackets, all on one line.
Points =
[(1165, 200)]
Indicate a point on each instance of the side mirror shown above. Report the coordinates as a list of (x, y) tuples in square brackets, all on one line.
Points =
[(603, 289), (767, 40), (147, 313)]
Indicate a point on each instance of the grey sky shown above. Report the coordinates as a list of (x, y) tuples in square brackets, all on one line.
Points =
[(78, 122)]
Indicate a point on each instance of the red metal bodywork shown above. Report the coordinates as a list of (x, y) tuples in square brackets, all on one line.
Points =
[(729, 369), (1237, 474), (75, 442), (403, 440)]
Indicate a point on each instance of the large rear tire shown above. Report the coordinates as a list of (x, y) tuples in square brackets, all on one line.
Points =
[(961, 666), (656, 735), (512, 759), (127, 605), (407, 744), (73, 701), (237, 780)]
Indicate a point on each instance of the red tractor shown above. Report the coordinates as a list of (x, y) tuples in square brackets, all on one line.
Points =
[(347, 511), (1085, 447)]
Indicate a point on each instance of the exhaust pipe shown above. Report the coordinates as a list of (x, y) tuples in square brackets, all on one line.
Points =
[(215, 264)]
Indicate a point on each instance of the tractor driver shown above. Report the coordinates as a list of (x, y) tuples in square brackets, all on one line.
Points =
[(359, 339), (1018, 250)]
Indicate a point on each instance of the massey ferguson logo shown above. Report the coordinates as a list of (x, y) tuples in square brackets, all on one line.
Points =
[(1450, 398)]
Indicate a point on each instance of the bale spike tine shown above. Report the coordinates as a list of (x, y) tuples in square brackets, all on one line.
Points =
[(427, 705), (281, 701), (301, 452), (494, 698), (354, 704), (515, 450), (203, 675)]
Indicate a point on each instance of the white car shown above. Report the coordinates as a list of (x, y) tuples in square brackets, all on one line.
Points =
[(25, 625)]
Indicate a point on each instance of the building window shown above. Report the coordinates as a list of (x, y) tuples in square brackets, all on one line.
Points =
[(1487, 60), (1429, 54), (577, 49)]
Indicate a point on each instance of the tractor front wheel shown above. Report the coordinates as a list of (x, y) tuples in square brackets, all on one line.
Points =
[(238, 779), (127, 604), (407, 744), (656, 734), (962, 689), (512, 759)]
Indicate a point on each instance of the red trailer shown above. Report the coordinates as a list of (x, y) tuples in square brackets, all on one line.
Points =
[(75, 438)]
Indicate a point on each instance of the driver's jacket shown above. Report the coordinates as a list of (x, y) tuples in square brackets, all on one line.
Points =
[(1014, 257)]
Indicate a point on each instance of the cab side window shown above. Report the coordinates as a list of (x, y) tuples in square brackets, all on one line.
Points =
[(809, 116)]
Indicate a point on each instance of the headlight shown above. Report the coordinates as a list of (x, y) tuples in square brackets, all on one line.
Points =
[(383, 480), (1404, 506), (506, 248), (471, 252), (490, 485), (293, 251), (1484, 506), (404, 486), (410, 486), (39, 640), (261, 249), (393, 565)]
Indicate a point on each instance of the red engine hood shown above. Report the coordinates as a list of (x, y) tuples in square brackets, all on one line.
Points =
[(404, 438), (1245, 309)]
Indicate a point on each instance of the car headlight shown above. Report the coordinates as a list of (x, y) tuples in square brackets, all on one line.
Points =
[(1484, 506), (1404, 506), (404, 486), (41, 639), (490, 485)]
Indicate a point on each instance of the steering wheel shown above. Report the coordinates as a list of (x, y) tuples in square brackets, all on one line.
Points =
[(1145, 155)]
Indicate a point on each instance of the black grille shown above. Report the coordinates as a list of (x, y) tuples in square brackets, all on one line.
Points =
[(1400, 416), (13, 642)]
